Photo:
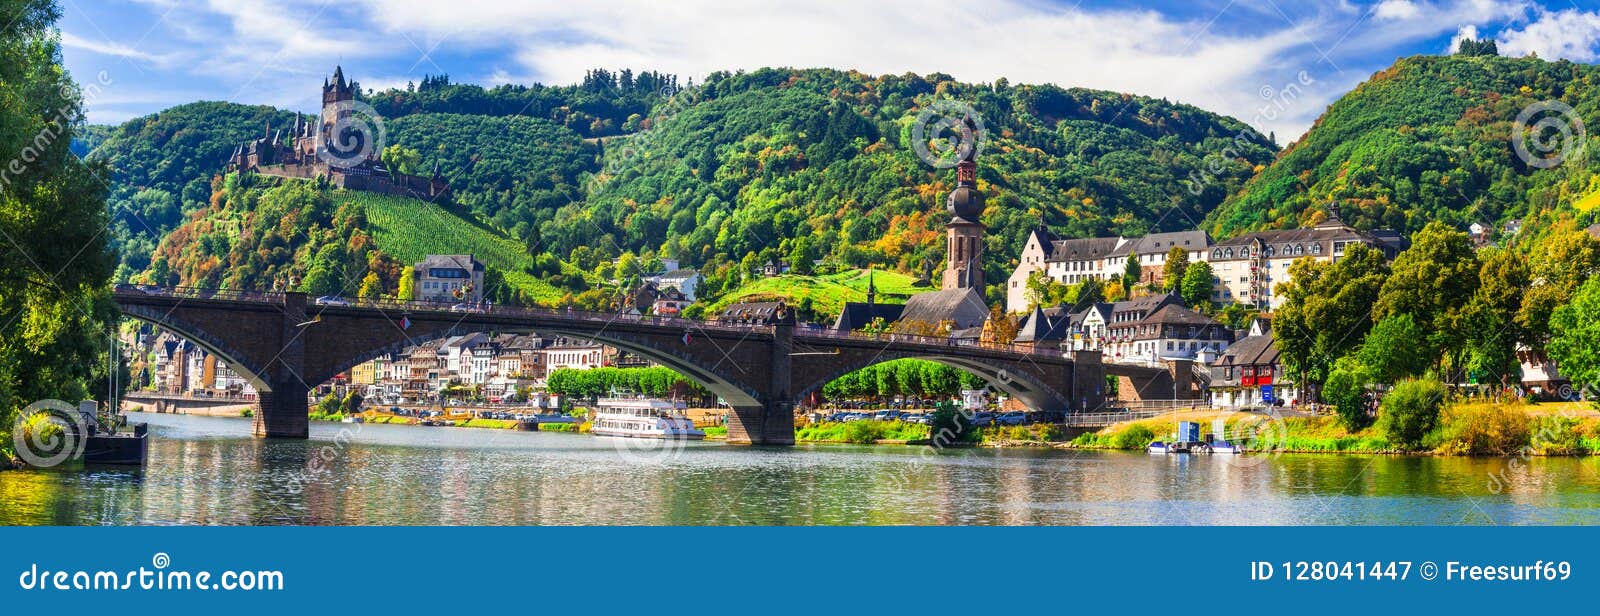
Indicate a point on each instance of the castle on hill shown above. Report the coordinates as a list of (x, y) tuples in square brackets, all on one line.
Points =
[(337, 146)]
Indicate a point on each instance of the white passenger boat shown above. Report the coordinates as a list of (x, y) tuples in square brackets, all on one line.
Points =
[(643, 418)]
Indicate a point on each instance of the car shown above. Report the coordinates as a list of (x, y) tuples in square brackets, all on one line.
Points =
[(885, 415), (332, 300), (466, 308), (1013, 418), (982, 418)]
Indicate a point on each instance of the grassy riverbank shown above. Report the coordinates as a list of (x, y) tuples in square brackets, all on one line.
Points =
[(1462, 428), (861, 432)]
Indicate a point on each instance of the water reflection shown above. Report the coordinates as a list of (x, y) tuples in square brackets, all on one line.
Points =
[(210, 471)]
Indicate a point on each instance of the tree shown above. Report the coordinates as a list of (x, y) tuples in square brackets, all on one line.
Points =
[(371, 287), (949, 426), (1173, 270), (1410, 411), (1196, 285), (1575, 345), (55, 269), (1002, 330), (326, 276), (407, 288), (1346, 390), (1562, 261), (1326, 310), (1432, 281), (1131, 273), (1042, 290), (1478, 47), (1392, 350), (1491, 316), (402, 159)]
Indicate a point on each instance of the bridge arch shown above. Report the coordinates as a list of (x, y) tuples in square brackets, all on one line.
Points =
[(710, 378), (235, 359), (1017, 384)]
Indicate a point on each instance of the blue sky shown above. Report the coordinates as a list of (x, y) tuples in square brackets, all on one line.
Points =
[(1232, 56)]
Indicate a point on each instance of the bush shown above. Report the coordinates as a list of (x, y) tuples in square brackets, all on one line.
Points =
[(1410, 411), (1346, 390), (1136, 436), (948, 425), (1482, 429), (1554, 435)]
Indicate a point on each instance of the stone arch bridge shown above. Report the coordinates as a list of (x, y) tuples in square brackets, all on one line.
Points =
[(286, 345)]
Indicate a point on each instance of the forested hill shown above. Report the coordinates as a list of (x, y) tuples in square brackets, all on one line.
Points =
[(1430, 138), (804, 165), (779, 164)]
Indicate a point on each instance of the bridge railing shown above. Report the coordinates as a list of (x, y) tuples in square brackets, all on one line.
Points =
[(201, 293), (689, 325), (927, 340), (553, 313), (458, 309)]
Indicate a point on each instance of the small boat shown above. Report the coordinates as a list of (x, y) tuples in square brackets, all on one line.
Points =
[(120, 448), (643, 418), (1157, 447), (1224, 447)]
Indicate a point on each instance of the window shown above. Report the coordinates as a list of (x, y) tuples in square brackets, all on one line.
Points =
[(1228, 253), (1316, 249), (1299, 249), (1216, 254)]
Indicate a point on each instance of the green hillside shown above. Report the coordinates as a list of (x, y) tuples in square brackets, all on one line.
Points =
[(264, 233), (505, 168), (1429, 138), (819, 164), (777, 164), (824, 295)]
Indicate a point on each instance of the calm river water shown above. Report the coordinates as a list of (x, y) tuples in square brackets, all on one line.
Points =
[(210, 471)]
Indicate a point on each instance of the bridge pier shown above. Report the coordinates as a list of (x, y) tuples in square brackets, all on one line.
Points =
[(769, 424), (283, 412)]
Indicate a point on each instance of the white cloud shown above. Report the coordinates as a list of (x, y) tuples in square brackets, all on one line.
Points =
[(1396, 9), (268, 52), (105, 48), (1570, 34)]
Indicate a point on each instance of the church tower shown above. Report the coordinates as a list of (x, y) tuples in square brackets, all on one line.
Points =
[(964, 233)]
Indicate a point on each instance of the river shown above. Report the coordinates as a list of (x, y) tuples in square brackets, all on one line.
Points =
[(207, 470)]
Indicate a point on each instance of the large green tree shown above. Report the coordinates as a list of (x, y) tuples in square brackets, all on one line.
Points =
[(1491, 316), (1196, 285), (1327, 310), (56, 315), (1575, 344), (1432, 281), (1172, 271), (1560, 262)]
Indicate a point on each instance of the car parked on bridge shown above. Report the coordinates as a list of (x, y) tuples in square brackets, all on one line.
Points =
[(332, 300), (466, 308)]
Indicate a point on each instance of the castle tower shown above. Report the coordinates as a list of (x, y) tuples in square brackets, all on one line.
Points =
[(964, 233), (334, 92)]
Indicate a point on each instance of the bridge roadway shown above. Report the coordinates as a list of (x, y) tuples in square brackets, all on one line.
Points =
[(285, 345)]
